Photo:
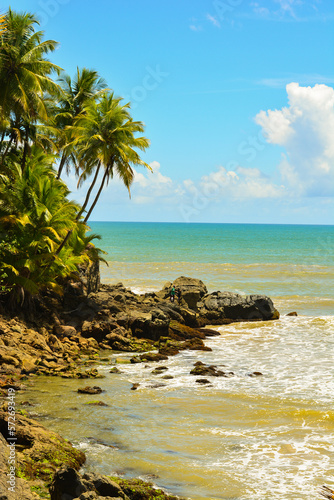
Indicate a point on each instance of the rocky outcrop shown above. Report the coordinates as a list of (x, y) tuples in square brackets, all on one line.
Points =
[(69, 484), (25, 351), (192, 290), (38, 451), (118, 319), (11, 487), (72, 329), (222, 307)]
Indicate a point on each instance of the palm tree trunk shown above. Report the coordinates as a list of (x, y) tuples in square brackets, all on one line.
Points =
[(25, 149), (63, 243), (2, 138), (106, 173), (89, 192), (61, 165)]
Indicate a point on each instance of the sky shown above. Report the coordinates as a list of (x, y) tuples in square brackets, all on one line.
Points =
[(236, 96)]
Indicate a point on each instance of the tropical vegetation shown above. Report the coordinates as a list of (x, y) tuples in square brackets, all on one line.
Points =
[(51, 124)]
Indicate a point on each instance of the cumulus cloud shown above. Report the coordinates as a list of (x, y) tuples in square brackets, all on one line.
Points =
[(305, 129), (222, 187), (239, 183), (150, 185)]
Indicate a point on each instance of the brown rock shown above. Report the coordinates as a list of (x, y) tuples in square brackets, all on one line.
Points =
[(38, 450), (64, 331), (90, 390), (202, 369)]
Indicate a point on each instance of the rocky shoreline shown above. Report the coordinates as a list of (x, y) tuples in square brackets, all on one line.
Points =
[(63, 335)]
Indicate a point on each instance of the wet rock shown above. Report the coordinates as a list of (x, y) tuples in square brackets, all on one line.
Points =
[(67, 483), (92, 486), (195, 345), (292, 314), (202, 369), (90, 390), (179, 331), (92, 373), (153, 357), (103, 485), (97, 403), (255, 374), (136, 359), (39, 452), (208, 332), (159, 370), (137, 489), (134, 387), (169, 350), (115, 370), (167, 377), (202, 381), (218, 307)]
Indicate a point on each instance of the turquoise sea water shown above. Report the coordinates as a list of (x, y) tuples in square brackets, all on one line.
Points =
[(293, 264)]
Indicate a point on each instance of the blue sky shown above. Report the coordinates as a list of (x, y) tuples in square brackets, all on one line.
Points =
[(237, 98)]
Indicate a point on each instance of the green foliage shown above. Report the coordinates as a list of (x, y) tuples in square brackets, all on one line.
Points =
[(46, 125), (35, 215)]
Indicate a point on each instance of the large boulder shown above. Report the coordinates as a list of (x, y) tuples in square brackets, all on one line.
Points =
[(192, 290), (222, 307), (151, 325)]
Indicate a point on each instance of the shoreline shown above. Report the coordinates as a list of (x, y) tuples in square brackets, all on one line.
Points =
[(61, 341)]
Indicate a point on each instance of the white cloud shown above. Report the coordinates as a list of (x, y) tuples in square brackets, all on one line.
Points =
[(150, 185), (241, 183), (213, 20), (305, 129)]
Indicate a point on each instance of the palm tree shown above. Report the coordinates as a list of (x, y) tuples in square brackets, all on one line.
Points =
[(35, 215), (25, 77), (77, 93), (106, 140)]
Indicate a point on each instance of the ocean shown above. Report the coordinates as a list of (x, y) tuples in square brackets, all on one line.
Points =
[(269, 437), (293, 264)]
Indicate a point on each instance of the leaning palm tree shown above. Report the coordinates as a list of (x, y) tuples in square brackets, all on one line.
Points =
[(77, 93), (25, 75), (106, 143)]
